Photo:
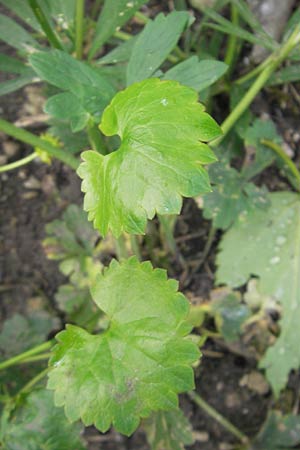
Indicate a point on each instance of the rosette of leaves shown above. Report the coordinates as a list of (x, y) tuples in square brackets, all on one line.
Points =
[(139, 364), (163, 130)]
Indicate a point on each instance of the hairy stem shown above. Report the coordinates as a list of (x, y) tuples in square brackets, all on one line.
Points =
[(19, 163), (35, 141), (277, 149), (46, 27), (23, 356), (79, 17), (277, 57), (218, 417)]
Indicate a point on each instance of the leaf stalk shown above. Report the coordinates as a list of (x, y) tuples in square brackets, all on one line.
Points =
[(277, 57), (35, 141), (45, 25), (19, 163), (218, 417), (25, 355)]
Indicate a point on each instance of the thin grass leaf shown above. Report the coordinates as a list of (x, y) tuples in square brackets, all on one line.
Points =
[(14, 35)]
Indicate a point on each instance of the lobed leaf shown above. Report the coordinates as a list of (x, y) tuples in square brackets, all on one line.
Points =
[(139, 364), (160, 158), (92, 91), (38, 424), (168, 430), (231, 196), (271, 251)]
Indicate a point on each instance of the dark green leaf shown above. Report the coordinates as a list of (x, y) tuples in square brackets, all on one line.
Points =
[(68, 107), (278, 433), (121, 53), (6, 87), (72, 142), (288, 74), (113, 15), (197, 74), (160, 159), (231, 196), (12, 65), (38, 424), (168, 430), (139, 364), (71, 238), (21, 333), (264, 157), (65, 72), (154, 44), (15, 36), (230, 315), (270, 250)]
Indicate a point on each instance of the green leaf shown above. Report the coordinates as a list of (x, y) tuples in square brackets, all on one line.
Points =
[(278, 432), (231, 196), (72, 142), (15, 36), (227, 27), (71, 238), (113, 15), (230, 315), (197, 74), (38, 424), (63, 71), (12, 65), (160, 158), (121, 53), (270, 249), (22, 9), (154, 44), (6, 87), (264, 157), (168, 430), (20, 333), (139, 364), (67, 106)]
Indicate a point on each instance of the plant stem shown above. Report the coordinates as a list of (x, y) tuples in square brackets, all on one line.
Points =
[(135, 246), (277, 149), (22, 356), (95, 138), (231, 51), (46, 27), (31, 359), (253, 72), (274, 61), (35, 141), (19, 163), (218, 417), (31, 383), (121, 249), (79, 16)]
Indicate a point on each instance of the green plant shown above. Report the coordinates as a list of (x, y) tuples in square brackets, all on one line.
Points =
[(128, 355)]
